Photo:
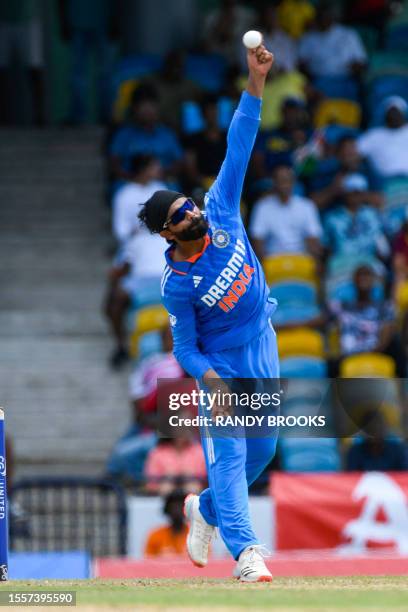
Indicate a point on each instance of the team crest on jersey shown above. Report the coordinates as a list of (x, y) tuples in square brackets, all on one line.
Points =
[(221, 238)]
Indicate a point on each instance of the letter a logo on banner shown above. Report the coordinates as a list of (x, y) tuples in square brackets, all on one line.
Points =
[(382, 494)]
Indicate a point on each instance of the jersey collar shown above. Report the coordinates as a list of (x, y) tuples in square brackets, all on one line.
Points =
[(183, 267)]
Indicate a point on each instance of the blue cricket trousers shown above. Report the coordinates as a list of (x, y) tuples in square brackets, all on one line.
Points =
[(233, 463)]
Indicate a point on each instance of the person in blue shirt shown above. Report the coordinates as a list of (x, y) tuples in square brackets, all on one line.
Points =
[(355, 228), (214, 289), (144, 133)]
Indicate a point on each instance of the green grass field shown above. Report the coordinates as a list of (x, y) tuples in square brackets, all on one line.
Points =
[(292, 594)]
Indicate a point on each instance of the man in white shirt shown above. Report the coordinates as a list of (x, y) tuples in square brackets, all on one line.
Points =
[(331, 49), (284, 222), (136, 273), (386, 147), (127, 201)]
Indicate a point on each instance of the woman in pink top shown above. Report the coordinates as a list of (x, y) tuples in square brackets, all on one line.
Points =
[(172, 461)]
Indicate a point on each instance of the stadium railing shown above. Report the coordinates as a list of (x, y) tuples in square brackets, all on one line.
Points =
[(70, 513)]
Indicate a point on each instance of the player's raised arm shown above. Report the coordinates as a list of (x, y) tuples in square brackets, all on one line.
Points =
[(226, 191)]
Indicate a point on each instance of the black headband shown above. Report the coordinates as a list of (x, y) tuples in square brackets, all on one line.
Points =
[(156, 209)]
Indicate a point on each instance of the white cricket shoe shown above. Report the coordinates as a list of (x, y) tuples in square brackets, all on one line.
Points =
[(200, 532), (251, 566)]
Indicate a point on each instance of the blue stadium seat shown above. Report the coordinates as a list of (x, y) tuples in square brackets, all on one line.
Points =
[(192, 119), (309, 454), (301, 314), (345, 291), (337, 87), (148, 293), (150, 344), (294, 293), (387, 63), (297, 302), (303, 367), (208, 71)]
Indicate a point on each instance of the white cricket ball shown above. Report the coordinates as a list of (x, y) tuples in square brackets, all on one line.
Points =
[(252, 39)]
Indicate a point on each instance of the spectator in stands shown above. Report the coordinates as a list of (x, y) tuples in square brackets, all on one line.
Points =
[(89, 26), (135, 276), (143, 380), (325, 185), (295, 16), (223, 28), (276, 146), (144, 134), (400, 255), (129, 454), (146, 174), (173, 88), (385, 147), (400, 277), (176, 462), (331, 49), (169, 539), (366, 324), (355, 228), (376, 450), (284, 222), (205, 150), (21, 33)]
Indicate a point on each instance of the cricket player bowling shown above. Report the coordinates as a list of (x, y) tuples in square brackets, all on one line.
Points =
[(215, 291)]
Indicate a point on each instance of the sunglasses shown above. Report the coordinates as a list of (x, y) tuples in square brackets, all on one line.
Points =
[(180, 214)]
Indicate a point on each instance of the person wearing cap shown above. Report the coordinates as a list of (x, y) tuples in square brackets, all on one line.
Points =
[(386, 146), (355, 228), (218, 301)]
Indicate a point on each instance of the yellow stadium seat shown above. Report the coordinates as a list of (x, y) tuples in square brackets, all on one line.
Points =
[(339, 112), (333, 342), (300, 342), (367, 365), (289, 266), (401, 297), (208, 181), (151, 318), (123, 99)]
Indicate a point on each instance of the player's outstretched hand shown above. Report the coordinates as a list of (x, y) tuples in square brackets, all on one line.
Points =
[(260, 61)]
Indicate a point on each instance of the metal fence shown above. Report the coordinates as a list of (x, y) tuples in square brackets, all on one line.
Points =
[(56, 514)]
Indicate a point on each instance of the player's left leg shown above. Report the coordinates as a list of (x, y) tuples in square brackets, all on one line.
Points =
[(230, 468)]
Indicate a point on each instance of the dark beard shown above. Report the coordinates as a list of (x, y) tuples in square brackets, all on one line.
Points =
[(197, 229)]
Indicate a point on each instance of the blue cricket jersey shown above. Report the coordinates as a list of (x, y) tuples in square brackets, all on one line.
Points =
[(220, 300)]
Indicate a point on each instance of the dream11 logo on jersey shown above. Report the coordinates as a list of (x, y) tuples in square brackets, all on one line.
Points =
[(232, 282)]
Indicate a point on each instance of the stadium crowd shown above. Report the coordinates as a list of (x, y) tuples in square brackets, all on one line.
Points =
[(325, 203)]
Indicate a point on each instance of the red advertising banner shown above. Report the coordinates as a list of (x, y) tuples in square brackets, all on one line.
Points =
[(350, 512)]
